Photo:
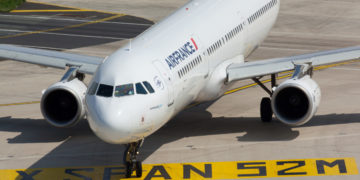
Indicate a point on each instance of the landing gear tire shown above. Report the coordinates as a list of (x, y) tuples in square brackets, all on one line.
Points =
[(130, 159), (138, 169), (128, 170), (266, 112)]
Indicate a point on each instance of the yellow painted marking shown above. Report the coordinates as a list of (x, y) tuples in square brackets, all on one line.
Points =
[(22, 103), (51, 10), (63, 28), (211, 170), (51, 4)]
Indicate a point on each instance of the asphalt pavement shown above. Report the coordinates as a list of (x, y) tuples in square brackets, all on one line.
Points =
[(219, 136)]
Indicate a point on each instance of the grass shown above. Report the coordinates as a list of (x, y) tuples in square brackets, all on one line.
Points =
[(8, 5)]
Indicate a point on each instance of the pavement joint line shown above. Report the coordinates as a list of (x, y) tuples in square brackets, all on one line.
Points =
[(51, 10), (52, 4), (64, 34), (75, 20), (116, 15), (228, 92), (63, 28)]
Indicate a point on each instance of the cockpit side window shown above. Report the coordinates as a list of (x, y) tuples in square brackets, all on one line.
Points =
[(105, 90), (148, 87), (93, 88), (140, 89), (124, 90)]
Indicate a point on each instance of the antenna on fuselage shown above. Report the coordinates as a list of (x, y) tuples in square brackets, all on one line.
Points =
[(129, 49)]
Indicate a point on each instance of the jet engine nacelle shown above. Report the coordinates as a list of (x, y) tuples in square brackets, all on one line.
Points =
[(295, 101), (62, 103)]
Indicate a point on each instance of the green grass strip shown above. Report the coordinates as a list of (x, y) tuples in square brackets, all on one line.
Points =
[(8, 5)]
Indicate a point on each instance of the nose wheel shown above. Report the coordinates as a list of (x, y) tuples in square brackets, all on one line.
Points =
[(131, 159)]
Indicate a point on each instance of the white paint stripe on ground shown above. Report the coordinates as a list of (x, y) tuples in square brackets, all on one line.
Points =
[(328, 36), (286, 48), (63, 34), (350, 69), (73, 20)]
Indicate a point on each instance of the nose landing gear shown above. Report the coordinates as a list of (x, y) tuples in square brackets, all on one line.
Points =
[(131, 161)]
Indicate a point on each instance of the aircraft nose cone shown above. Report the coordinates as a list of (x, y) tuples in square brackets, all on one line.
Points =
[(109, 123)]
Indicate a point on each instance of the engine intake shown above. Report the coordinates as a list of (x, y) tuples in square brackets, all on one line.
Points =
[(62, 103), (295, 101)]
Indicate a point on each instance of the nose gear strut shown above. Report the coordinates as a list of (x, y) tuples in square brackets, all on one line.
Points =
[(131, 159)]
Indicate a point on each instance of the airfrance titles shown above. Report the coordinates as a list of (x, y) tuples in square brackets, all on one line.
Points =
[(181, 54)]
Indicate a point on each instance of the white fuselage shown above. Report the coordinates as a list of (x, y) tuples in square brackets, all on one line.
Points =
[(184, 58)]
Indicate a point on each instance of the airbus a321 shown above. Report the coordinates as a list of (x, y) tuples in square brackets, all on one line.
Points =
[(193, 55)]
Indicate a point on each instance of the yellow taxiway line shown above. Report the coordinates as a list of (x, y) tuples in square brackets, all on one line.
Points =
[(50, 10), (63, 28), (21, 103), (51, 4), (71, 9)]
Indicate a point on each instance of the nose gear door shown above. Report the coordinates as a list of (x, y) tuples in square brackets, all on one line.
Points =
[(166, 75)]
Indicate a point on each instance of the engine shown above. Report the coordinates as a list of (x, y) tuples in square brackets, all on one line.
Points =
[(295, 101), (62, 103)]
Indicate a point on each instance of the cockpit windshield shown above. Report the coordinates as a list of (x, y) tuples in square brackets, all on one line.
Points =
[(140, 89), (124, 90), (148, 87), (105, 90)]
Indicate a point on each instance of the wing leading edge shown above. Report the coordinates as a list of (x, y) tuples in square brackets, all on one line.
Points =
[(87, 64), (260, 68)]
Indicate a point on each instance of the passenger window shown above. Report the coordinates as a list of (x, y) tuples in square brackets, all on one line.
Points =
[(105, 90), (93, 87), (140, 89), (148, 87), (124, 90)]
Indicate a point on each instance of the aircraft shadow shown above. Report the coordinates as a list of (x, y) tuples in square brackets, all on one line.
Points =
[(81, 148)]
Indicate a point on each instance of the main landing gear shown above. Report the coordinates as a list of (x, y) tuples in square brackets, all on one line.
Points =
[(266, 112), (131, 159)]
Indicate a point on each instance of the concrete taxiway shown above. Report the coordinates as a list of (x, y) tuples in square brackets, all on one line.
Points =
[(228, 129)]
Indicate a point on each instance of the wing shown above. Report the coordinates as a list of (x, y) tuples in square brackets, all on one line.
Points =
[(86, 64), (260, 68)]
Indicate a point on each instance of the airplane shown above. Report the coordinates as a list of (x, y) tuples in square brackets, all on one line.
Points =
[(193, 55)]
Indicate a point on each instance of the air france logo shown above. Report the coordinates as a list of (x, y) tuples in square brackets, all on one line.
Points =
[(158, 83), (181, 54)]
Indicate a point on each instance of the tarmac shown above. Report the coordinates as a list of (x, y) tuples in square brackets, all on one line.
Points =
[(227, 130)]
